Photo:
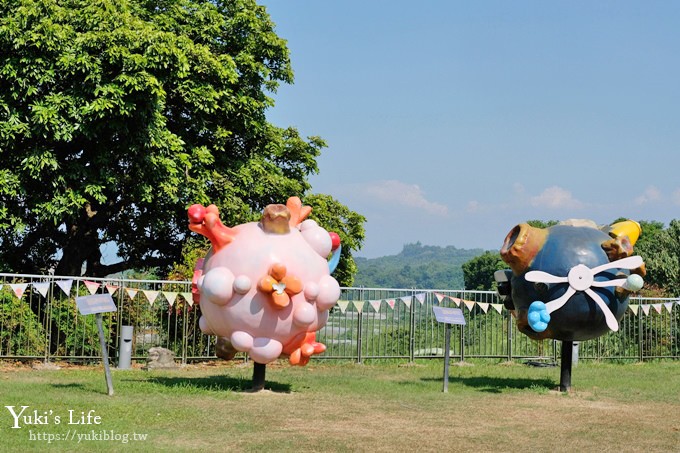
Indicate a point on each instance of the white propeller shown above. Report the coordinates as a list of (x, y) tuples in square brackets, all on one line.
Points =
[(582, 278)]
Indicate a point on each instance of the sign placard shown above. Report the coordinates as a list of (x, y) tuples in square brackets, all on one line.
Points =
[(449, 315), (96, 303)]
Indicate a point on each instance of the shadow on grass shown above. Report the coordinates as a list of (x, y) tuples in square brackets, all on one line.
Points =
[(498, 384), (218, 383), (68, 386)]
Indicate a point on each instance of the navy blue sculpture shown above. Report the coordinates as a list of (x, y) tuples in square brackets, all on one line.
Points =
[(571, 281)]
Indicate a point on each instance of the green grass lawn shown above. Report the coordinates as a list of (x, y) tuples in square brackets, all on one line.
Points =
[(345, 407)]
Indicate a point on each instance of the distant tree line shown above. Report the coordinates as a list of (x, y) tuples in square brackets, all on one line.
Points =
[(416, 266)]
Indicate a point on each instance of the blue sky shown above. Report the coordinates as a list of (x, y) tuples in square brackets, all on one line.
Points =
[(450, 122)]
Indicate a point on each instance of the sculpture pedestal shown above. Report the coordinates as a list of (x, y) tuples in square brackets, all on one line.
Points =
[(259, 371), (565, 367)]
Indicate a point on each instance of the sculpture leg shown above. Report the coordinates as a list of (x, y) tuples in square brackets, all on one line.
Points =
[(565, 368), (258, 376)]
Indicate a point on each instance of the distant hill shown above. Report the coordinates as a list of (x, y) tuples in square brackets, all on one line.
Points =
[(417, 266)]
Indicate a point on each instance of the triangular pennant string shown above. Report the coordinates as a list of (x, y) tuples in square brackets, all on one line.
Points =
[(19, 289), (375, 304), (645, 309), (359, 305), (131, 293), (343, 305), (439, 297), (421, 298), (112, 289), (171, 296), (497, 307), (634, 309), (65, 286), (669, 306), (189, 298), (150, 295), (407, 300), (92, 287), (42, 287), (456, 300), (484, 306), (657, 307), (469, 304), (391, 303)]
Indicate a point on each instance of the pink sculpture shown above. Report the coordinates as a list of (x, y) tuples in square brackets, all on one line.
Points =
[(265, 287)]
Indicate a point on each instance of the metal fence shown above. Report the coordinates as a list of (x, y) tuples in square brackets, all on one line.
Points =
[(39, 320)]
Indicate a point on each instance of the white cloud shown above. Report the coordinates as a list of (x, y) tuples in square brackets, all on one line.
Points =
[(676, 197), (518, 189), (650, 194), (473, 206), (556, 198), (399, 193)]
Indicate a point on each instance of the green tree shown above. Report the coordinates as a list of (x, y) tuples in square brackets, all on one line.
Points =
[(349, 225), (542, 223), (116, 115), (660, 249), (478, 272)]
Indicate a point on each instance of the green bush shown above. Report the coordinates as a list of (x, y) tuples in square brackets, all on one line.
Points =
[(21, 332)]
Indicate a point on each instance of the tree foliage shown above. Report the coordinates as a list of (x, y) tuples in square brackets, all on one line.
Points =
[(660, 248), (478, 272), (116, 115)]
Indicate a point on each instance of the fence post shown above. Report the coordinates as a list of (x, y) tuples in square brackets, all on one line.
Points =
[(640, 342), (462, 343), (509, 336), (48, 321), (359, 330), (359, 322), (185, 333), (412, 329)]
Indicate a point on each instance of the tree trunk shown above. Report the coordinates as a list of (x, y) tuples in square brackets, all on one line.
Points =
[(82, 243)]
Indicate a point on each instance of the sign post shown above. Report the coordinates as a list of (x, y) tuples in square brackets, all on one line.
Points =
[(448, 316), (97, 304)]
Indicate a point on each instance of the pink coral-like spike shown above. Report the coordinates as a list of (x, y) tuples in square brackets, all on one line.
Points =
[(206, 222), (298, 213)]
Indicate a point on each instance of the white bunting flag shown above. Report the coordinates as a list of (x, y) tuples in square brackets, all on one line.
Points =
[(484, 306), (421, 298), (131, 293), (65, 286), (391, 303), (343, 305), (669, 306), (19, 289), (189, 298), (645, 309), (497, 307), (150, 295), (42, 287), (634, 309), (171, 296), (469, 304), (359, 305), (439, 297), (92, 287), (112, 289), (375, 304), (407, 300), (657, 307), (457, 301)]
